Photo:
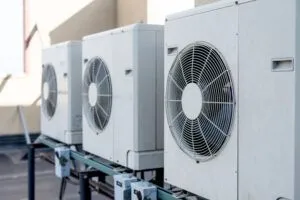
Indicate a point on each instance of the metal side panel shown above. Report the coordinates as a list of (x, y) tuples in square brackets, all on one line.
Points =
[(267, 100), (123, 79), (215, 179), (100, 144)]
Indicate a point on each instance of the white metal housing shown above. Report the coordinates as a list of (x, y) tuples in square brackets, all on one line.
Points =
[(122, 186), (258, 41), (62, 162), (66, 123), (143, 190), (133, 58)]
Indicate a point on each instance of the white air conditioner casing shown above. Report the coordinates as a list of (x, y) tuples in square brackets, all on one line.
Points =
[(258, 40), (130, 115), (62, 72)]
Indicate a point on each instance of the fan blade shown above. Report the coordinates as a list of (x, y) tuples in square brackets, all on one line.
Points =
[(214, 124), (100, 123), (52, 81), (204, 65), (173, 120), (100, 106), (104, 95), (182, 131), (51, 102), (99, 84), (211, 102), (204, 138), (89, 79), (183, 74), (193, 143), (98, 71), (175, 83), (92, 113), (47, 74), (192, 68), (171, 100), (86, 81), (219, 76)]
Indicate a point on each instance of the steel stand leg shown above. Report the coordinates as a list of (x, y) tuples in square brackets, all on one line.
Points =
[(85, 191), (31, 169), (31, 172), (101, 177), (160, 177), (62, 190)]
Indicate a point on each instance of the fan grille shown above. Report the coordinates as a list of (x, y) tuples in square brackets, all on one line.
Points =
[(97, 94), (49, 95), (202, 65)]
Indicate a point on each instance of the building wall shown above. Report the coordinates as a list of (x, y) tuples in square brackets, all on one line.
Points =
[(57, 21), (131, 11), (60, 20)]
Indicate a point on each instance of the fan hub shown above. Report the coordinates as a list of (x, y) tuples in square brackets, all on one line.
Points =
[(191, 101), (46, 90), (93, 94)]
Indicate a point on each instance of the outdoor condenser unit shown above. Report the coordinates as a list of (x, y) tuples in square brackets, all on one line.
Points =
[(61, 92), (123, 95), (232, 100)]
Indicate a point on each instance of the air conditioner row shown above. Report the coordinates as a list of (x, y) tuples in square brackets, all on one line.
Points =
[(213, 97)]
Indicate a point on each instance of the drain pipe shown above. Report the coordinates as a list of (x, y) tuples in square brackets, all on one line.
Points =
[(24, 124)]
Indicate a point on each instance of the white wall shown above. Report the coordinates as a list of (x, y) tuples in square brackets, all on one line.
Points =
[(11, 38)]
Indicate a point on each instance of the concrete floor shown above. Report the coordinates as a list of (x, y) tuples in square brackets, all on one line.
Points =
[(13, 179)]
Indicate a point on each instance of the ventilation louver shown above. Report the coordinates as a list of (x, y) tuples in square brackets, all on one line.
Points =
[(97, 94), (49, 91), (200, 102)]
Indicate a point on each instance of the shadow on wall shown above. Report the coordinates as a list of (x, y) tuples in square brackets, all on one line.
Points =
[(100, 15), (10, 123)]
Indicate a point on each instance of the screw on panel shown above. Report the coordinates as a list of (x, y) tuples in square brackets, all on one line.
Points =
[(85, 60)]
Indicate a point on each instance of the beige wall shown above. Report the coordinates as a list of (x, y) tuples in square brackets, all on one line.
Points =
[(99, 15), (57, 20), (60, 20), (149, 11), (131, 11)]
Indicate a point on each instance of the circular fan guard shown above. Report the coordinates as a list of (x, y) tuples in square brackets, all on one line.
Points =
[(203, 137), (49, 95), (98, 109)]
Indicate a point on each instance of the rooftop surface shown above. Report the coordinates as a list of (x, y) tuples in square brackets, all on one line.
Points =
[(13, 179)]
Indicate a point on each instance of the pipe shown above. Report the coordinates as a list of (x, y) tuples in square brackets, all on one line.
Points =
[(22, 119)]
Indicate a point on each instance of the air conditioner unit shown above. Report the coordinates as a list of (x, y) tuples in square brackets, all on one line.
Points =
[(123, 96), (232, 100), (61, 92)]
